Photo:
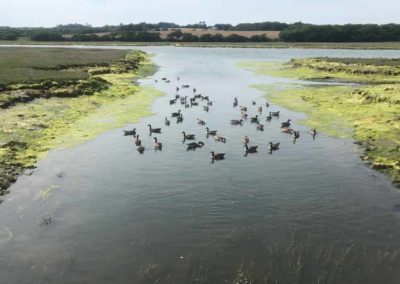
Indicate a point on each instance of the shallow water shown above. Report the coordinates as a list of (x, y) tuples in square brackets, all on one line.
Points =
[(311, 212)]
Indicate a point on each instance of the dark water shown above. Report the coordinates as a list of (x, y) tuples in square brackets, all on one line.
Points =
[(311, 212)]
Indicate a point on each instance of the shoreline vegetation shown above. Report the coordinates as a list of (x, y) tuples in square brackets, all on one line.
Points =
[(272, 44), (367, 108), (67, 97)]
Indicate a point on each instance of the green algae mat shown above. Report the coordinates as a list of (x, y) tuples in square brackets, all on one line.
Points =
[(367, 109)]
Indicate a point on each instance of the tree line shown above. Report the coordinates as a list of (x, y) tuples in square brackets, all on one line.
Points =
[(300, 32), (297, 32)]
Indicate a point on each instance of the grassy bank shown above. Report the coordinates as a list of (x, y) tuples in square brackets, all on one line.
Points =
[(30, 129), (370, 113), (274, 44)]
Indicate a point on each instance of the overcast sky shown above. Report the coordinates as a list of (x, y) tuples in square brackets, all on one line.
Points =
[(101, 12)]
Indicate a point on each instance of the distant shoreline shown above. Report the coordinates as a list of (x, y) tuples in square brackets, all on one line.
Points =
[(307, 45)]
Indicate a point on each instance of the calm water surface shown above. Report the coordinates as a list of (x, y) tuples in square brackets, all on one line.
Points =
[(311, 212)]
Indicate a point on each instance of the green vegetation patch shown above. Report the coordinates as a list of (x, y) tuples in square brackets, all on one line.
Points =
[(27, 65), (29, 130), (345, 70), (368, 113)]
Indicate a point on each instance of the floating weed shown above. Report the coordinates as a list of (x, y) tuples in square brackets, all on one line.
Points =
[(46, 193)]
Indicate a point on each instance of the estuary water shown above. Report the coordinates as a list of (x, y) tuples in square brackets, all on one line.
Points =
[(311, 212)]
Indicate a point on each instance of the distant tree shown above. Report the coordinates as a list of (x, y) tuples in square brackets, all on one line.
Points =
[(259, 38), (47, 36), (223, 27), (218, 38), (264, 26), (175, 35), (188, 37), (206, 38), (236, 38), (299, 32)]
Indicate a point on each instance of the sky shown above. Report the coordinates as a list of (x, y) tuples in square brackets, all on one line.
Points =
[(47, 13)]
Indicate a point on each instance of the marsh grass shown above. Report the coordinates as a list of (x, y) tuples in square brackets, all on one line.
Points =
[(26, 65)]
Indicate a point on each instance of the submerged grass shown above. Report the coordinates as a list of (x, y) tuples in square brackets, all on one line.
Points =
[(368, 113)]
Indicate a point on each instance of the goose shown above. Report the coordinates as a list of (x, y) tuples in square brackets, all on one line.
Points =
[(138, 142), (211, 132), (194, 145), (217, 156), (245, 115), (167, 122), (177, 96), (188, 136), (206, 108), (286, 124), (157, 145), (246, 140), (168, 81), (235, 102), (273, 146), (140, 149), (251, 149), (164, 79), (178, 78), (253, 102), (274, 113), (193, 103), (198, 96), (209, 103), (260, 127), (205, 98), (201, 122), (259, 109), (179, 119), (296, 135), (175, 114), (177, 89), (130, 132), (313, 131), (220, 138), (187, 106), (269, 118), (266, 104), (171, 102), (287, 130), (194, 90), (242, 108), (254, 119), (236, 122), (154, 130)]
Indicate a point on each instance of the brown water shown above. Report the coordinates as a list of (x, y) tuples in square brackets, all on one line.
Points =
[(311, 212)]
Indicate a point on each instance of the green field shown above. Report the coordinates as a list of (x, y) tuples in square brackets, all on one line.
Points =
[(369, 112), (26, 65), (274, 44)]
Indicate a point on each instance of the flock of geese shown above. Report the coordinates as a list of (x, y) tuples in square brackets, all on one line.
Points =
[(198, 99)]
